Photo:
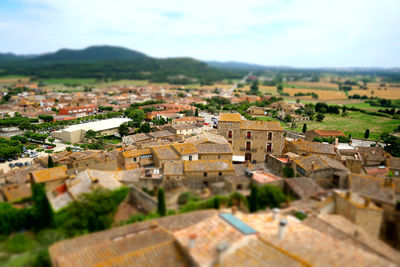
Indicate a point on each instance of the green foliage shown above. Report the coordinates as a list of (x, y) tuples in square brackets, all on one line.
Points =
[(50, 162), (15, 121), (288, 172), (136, 115), (42, 213), (253, 199), (42, 259), (270, 196), (320, 117), (108, 108), (392, 144), (185, 197), (90, 134), (91, 212), (161, 205), (9, 147), (304, 128), (366, 134), (287, 118), (46, 118), (12, 219), (19, 243), (145, 128), (300, 215), (123, 129)]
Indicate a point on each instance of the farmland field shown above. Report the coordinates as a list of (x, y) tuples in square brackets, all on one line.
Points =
[(355, 124), (312, 85), (322, 94), (67, 81)]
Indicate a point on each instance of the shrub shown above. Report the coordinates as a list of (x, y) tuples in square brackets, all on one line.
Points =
[(19, 243), (270, 196), (300, 215), (185, 197), (288, 172)]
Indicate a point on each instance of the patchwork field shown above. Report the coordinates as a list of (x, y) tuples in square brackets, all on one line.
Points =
[(355, 124), (389, 93), (69, 81), (322, 94), (312, 85)]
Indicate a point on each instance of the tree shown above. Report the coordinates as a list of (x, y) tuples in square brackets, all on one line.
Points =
[(50, 163), (304, 128), (254, 88), (270, 196), (137, 116), (196, 113), (42, 214), (90, 134), (288, 172), (287, 118), (161, 206), (366, 134), (253, 200), (216, 203), (320, 117), (123, 129), (344, 110), (51, 139), (145, 128), (279, 88)]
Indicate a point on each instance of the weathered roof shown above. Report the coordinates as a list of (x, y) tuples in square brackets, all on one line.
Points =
[(342, 229), (208, 165), (136, 153), (314, 147), (229, 117), (394, 163), (328, 132), (207, 137), (185, 148), (319, 162), (209, 148), (261, 125), (303, 187), (376, 188), (51, 174), (372, 153), (164, 152), (161, 134), (137, 137), (173, 168), (16, 192)]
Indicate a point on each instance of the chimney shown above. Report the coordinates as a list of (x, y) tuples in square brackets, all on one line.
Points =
[(282, 228), (275, 213), (221, 247), (367, 201), (192, 241), (336, 144), (233, 209)]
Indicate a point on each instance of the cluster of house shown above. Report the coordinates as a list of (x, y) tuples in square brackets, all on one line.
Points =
[(349, 193), (282, 109)]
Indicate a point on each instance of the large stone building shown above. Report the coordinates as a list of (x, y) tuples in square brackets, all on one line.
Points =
[(251, 140)]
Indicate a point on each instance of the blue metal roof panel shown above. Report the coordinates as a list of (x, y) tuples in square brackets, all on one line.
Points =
[(237, 223)]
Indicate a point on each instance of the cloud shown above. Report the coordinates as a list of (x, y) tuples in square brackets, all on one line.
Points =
[(273, 32)]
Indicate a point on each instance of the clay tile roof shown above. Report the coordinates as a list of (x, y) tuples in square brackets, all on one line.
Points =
[(207, 138), (261, 125), (394, 163), (161, 134), (372, 153), (173, 168), (319, 162), (329, 132), (17, 192), (46, 175), (375, 188), (229, 117), (314, 147), (185, 148), (164, 152), (214, 148), (136, 153), (208, 165), (138, 137), (303, 187)]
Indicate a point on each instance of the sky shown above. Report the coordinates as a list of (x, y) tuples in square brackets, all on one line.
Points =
[(297, 33)]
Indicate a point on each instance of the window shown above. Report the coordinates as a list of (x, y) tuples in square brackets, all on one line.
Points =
[(229, 134), (269, 147), (134, 159), (248, 145), (219, 156), (230, 142), (190, 158), (220, 173), (199, 156), (248, 134), (205, 174), (269, 136)]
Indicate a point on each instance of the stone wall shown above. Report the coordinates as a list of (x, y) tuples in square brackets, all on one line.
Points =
[(141, 200)]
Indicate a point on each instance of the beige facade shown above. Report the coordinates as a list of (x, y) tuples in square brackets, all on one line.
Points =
[(252, 139)]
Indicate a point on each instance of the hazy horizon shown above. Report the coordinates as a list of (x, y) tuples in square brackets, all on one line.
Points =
[(293, 33)]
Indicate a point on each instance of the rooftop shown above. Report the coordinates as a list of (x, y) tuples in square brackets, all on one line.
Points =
[(207, 137), (209, 148), (51, 174), (229, 117), (261, 125), (185, 148), (328, 132), (164, 152), (136, 153), (208, 165)]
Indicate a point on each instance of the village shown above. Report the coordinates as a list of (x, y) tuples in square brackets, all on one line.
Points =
[(343, 192)]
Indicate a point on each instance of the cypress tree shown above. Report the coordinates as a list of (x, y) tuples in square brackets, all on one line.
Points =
[(304, 128), (161, 206), (366, 134), (253, 201), (42, 212), (196, 113), (50, 163), (216, 203)]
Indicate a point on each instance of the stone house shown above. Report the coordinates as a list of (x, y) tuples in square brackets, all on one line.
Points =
[(209, 151), (51, 178), (307, 148), (252, 140), (256, 111), (135, 139), (372, 156)]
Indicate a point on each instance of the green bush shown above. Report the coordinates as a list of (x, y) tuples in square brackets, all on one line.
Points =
[(270, 196), (20, 243), (300, 215), (288, 172), (185, 197)]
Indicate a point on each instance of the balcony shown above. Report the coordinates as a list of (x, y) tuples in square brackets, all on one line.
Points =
[(248, 149)]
